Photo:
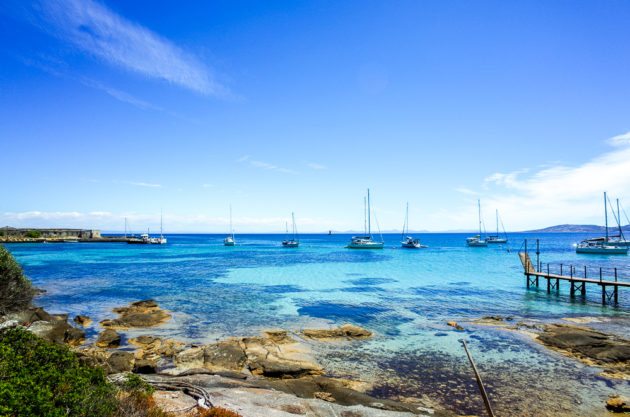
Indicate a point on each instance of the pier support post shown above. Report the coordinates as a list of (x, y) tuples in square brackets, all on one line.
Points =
[(548, 285), (616, 289), (572, 283), (603, 294)]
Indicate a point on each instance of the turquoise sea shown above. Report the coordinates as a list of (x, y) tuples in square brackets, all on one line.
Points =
[(405, 296)]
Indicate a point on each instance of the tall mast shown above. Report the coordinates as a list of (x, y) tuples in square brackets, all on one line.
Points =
[(369, 210), (406, 225), (619, 221), (231, 229), (364, 215), (294, 227), (479, 209), (606, 215), (286, 230), (125, 228), (161, 235), (497, 213)]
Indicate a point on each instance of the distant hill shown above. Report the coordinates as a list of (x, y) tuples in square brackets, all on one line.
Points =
[(576, 228)]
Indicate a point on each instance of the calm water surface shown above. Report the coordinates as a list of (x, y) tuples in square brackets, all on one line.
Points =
[(405, 296)]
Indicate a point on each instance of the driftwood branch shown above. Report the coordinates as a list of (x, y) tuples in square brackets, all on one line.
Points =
[(171, 384)]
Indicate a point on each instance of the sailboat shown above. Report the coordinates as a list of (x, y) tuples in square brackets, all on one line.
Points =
[(294, 242), (477, 241), (601, 246), (229, 239), (408, 241), (366, 241), (159, 240), (620, 239), (497, 238)]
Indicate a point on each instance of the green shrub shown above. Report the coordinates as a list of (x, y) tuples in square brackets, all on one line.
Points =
[(39, 378), (34, 234), (16, 291)]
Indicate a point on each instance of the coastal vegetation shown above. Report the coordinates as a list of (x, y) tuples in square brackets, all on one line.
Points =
[(40, 378), (33, 234), (16, 291)]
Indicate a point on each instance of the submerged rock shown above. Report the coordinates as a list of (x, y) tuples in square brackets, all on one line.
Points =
[(144, 313), (347, 331), (455, 325)]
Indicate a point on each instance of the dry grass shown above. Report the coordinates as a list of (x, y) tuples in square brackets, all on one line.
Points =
[(218, 412), (139, 404)]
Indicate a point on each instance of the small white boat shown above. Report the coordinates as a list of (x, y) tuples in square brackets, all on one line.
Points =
[(602, 245), (294, 242), (229, 239), (497, 238), (409, 242), (600, 249), (366, 241), (477, 241)]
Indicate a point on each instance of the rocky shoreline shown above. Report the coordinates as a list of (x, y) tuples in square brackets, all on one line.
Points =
[(274, 374)]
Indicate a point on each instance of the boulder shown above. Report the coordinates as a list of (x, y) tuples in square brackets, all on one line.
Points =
[(347, 331), (120, 361), (108, 339), (190, 358), (145, 313), (58, 331), (227, 355), (265, 357), (618, 404), (83, 321), (74, 336), (145, 366)]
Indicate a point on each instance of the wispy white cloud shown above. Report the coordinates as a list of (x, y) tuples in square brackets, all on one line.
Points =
[(264, 165), (207, 185), (98, 31), (143, 184), (467, 191), (121, 95), (105, 220), (316, 166), (561, 193), (620, 140)]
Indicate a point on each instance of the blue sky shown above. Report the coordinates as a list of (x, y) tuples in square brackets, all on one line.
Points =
[(117, 109)]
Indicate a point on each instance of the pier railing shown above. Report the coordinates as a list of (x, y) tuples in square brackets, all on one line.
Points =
[(609, 279)]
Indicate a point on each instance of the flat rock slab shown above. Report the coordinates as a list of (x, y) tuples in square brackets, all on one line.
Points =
[(589, 346), (347, 331), (250, 399)]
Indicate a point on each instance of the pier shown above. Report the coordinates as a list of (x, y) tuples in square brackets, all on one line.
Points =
[(609, 280)]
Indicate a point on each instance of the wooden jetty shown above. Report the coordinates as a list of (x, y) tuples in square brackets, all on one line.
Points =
[(606, 278)]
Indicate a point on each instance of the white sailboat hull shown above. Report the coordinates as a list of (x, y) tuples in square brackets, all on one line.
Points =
[(602, 250), (366, 245)]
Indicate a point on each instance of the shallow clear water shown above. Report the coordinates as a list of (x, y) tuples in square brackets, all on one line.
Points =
[(405, 296)]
